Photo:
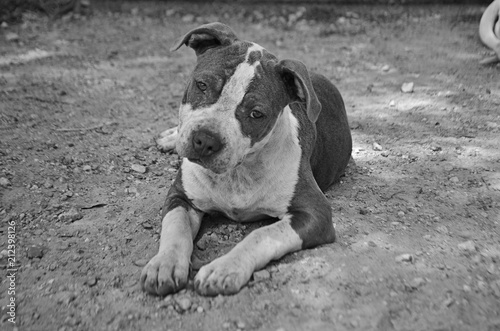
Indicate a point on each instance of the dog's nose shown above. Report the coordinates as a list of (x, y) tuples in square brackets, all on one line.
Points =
[(206, 143)]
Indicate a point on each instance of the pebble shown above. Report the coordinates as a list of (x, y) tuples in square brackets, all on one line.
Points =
[(183, 303), (376, 147), (146, 225), (467, 288), (48, 184), (226, 325), (385, 153), (407, 87), (189, 18), (417, 282), (35, 252), (454, 179), (91, 281), (202, 244), (240, 325), (448, 302), (442, 229), (261, 275), (467, 246), (138, 168), (86, 168), (404, 258), (140, 262), (65, 297), (386, 67), (70, 216), (392, 103), (11, 36), (199, 309), (4, 181)]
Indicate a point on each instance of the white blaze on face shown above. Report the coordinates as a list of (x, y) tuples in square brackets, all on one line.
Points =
[(220, 117), (263, 184)]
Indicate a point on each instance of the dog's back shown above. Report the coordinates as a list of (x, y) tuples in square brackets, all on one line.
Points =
[(333, 146)]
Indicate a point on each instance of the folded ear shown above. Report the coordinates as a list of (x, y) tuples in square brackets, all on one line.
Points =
[(298, 82), (206, 36)]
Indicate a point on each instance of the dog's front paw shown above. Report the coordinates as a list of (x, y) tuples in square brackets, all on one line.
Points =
[(167, 139), (225, 275), (166, 273)]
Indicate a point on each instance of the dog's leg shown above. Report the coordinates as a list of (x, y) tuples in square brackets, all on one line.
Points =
[(297, 230), (167, 139), (168, 271), (228, 273)]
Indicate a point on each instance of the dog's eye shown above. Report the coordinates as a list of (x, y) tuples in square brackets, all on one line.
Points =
[(202, 86), (256, 114)]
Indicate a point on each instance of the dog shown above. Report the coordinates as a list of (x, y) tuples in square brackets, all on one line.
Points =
[(260, 138), (489, 31)]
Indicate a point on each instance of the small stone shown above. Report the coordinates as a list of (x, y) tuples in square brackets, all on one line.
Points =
[(199, 309), (376, 147), (448, 302), (240, 325), (226, 325), (467, 288), (261, 275), (404, 258), (184, 303), (454, 179), (138, 168), (86, 168), (385, 153), (202, 244), (65, 297), (401, 213), (386, 67), (35, 252), (442, 229), (11, 36), (407, 87), (140, 262), (48, 184), (392, 103), (189, 18), (146, 225), (70, 216), (417, 282), (4, 181), (91, 281), (467, 246), (436, 148)]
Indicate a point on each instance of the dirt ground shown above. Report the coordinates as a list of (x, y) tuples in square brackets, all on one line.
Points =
[(417, 217)]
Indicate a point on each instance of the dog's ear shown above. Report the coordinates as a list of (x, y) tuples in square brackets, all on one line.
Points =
[(206, 36), (298, 82)]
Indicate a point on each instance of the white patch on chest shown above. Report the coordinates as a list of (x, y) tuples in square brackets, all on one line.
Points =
[(261, 186)]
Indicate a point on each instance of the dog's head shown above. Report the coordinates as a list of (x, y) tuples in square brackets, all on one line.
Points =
[(235, 96)]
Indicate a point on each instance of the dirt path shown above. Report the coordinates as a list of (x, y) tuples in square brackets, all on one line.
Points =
[(417, 218)]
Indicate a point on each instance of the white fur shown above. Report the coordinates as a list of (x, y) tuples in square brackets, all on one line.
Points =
[(261, 185)]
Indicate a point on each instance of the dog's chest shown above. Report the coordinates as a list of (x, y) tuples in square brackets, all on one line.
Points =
[(244, 194)]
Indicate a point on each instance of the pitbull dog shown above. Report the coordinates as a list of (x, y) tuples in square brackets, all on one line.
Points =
[(259, 139)]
